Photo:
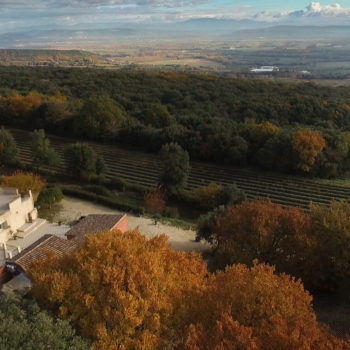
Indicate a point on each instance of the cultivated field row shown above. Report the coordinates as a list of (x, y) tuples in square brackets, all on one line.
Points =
[(144, 169)]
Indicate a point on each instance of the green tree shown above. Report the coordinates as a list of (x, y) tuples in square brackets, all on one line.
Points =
[(82, 161), (8, 148), (49, 196), (23, 326), (331, 258), (98, 117), (44, 154), (175, 167), (158, 116), (229, 195)]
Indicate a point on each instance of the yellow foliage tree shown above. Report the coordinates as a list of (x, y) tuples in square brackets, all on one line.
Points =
[(206, 195), (24, 182), (308, 145), (20, 105), (122, 290), (57, 97), (259, 133)]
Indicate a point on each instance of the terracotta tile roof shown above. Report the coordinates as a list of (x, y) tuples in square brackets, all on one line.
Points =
[(94, 223), (37, 250)]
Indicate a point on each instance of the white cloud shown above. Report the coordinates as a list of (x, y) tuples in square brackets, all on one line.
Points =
[(315, 9)]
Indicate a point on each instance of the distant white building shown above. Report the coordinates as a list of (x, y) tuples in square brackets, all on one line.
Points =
[(265, 69)]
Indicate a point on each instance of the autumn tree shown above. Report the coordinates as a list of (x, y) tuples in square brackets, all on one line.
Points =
[(43, 153), (259, 133), (24, 182), (122, 290), (155, 201), (175, 167), (8, 148), (206, 196), (307, 145), (265, 231), (82, 161), (214, 195), (23, 326), (20, 105), (256, 309)]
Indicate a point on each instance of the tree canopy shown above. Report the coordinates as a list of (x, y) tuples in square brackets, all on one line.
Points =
[(82, 161), (24, 182), (175, 167), (23, 326), (44, 154), (122, 290), (8, 148), (296, 128), (98, 117), (126, 292)]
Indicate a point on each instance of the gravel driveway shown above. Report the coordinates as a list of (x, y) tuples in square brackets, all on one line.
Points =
[(72, 209)]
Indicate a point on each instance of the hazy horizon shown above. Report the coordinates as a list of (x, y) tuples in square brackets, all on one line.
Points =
[(18, 15)]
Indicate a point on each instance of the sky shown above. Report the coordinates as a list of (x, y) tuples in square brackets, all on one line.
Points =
[(16, 15)]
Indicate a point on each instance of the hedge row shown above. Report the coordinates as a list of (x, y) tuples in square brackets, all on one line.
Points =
[(110, 202)]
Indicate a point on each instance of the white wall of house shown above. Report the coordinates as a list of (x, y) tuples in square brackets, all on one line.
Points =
[(15, 213)]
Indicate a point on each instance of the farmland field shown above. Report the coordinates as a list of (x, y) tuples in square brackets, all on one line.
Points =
[(144, 169)]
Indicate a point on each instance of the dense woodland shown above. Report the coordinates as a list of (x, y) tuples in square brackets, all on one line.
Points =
[(295, 128), (141, 294)]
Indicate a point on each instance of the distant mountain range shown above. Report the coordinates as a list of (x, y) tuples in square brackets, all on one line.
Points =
[(194, 29)]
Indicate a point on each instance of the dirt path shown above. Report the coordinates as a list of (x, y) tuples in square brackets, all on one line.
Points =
[(72, 209)]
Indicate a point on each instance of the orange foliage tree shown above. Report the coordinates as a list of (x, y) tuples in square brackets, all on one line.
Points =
[(265, 231), (122, 290), (127, 292), (254, 308), (154, 201), (20, 105), (308, 145), (24, 182)]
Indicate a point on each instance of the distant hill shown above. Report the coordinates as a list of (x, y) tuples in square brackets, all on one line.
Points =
[(293, 33), (49, 58), (194, 29)]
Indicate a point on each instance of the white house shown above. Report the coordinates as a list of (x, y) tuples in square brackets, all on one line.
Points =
[(19, 223), (15, 212)]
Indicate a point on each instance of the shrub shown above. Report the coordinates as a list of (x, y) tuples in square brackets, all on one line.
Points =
[(49, 196), (101, 190), (117, 183), (206, 196), (154, 201), (214, 195), (230, 194), (171, 212)]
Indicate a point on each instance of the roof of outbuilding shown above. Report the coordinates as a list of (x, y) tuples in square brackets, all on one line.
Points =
[(94, 223), (37, 250)]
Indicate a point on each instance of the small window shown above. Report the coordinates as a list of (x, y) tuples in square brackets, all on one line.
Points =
[(4, 225)]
